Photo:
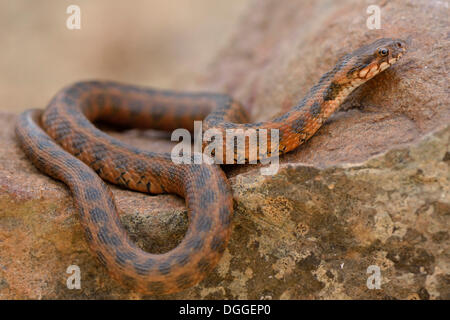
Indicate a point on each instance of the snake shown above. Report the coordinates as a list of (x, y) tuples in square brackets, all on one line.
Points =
[(64, 142)]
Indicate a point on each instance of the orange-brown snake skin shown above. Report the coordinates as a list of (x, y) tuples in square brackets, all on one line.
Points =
[(63, 143)]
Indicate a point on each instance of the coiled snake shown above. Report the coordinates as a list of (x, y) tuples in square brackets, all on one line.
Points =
[(55, 138)]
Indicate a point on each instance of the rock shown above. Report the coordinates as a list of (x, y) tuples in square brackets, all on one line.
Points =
[(370, 191), (319, 229)]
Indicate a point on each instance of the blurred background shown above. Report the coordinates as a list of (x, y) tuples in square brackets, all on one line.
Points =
[(159, 43)]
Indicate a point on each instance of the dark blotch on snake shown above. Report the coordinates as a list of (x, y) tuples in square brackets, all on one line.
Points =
[(164, 268), (92, 194), (225, 215), (282, 118), (315, 109), (101, 258), (207, 198), (184, 280), (332, 91), (182, 258), (59, 154), (195, 243), (218, 244), (203, 265), (298, 125), (204, 223), (88, 234), (144, 268), (98, 215), (85, 176), (72, 163), (157, 287)]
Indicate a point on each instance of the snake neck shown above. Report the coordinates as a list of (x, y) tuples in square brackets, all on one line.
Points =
[(305, 118)]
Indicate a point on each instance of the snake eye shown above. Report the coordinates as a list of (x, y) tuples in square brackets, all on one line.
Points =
[(383, 52)]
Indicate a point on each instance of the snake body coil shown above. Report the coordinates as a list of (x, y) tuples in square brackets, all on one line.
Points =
[(55, 138)]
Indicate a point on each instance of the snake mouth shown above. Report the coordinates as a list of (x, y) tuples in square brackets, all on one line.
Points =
[(393, 60), (396, 56), (371, 71)]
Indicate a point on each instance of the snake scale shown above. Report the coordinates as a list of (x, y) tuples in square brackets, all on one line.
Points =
[(62, 142)]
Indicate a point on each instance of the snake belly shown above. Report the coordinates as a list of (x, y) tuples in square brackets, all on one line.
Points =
[(62, 142)]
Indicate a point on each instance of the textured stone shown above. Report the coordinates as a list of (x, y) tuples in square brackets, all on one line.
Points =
[(372, 187), (319, 229)]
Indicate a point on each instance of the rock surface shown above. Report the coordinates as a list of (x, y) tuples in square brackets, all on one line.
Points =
[(371, 188)]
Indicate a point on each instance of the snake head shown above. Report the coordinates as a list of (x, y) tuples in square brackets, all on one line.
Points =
[(371, 59)]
